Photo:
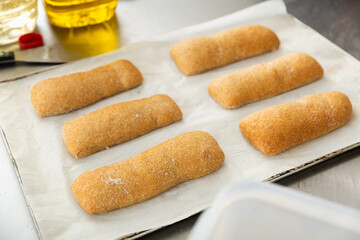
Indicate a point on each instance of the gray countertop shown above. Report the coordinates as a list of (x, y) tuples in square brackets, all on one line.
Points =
[(337, 180)]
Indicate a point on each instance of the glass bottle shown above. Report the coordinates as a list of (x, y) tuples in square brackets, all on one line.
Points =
[(17, 17), (79, 13)]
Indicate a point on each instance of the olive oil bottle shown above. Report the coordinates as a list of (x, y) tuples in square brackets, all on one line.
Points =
[(79, 13)]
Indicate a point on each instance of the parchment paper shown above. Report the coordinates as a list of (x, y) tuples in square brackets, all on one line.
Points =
[(47, 169)]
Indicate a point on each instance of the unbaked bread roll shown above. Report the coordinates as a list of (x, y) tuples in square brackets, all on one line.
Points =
[(275, 129), (265, 80), (187, 156), (70, 92), (197, 55), (118, 123)]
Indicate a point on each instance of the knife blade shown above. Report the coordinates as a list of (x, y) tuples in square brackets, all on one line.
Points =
[(19, 64), (53, 54)]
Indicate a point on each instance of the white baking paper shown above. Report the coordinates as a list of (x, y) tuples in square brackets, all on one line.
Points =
[(47, 169)]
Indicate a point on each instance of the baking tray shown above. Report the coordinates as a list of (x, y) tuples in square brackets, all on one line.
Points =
[(274, 178), (245, 17)]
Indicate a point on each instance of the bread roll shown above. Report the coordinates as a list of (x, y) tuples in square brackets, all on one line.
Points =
[(197, 55), (118, 123), (265, 80), (187, 156), (70, 92), (275, 129)]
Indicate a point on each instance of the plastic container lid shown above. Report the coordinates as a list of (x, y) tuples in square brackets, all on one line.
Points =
[(30, 40), (268, 211)]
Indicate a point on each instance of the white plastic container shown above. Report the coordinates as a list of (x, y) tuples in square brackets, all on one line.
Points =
[(268, 211)]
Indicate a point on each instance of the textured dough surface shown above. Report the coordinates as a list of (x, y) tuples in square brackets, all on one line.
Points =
[(275, 129), (265, 80), (187, 156), (197, 55), (70, 92), (118, 123)]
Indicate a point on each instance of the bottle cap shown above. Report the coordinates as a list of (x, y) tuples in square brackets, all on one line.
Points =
[(30, 40)]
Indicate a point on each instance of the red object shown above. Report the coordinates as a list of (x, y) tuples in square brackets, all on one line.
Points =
[(30, 40)]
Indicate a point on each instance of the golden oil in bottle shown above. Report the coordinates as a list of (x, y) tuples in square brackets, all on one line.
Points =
[(79, 13)]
